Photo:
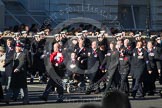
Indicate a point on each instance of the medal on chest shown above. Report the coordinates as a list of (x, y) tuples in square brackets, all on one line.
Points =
[(140, 54)]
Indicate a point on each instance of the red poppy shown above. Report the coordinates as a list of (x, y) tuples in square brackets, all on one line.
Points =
[(129, 48), (125, 58), (84, 49)]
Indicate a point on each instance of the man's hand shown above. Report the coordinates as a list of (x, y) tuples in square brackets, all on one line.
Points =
[(16, 70), (104, 71), (43, 56), (159, 71), (56, 64), (78, 58), (149, 72), (82, 61)]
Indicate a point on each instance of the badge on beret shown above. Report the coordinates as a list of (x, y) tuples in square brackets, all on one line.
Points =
[(147, 62), (114, 52), (140, 54), (108, 54), (89, 53), (72, 66), (121, 59), (151, 54), (125, 58), (95, 55), (140, 57)]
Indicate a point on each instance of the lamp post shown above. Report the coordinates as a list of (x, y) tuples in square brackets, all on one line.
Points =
[(148, 19)]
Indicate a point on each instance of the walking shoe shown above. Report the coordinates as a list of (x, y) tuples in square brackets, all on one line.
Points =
[(31, 80), (133, 94), (7, 102), (88, 92), (161, 93), (13, 99), (1, 100), (151, 94), (97, 91), (43, 98), (60, 99), (103, 89), (25, 102), (141, 96)]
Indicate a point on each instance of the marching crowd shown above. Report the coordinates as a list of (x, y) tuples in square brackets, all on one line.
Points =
[(79, 58)]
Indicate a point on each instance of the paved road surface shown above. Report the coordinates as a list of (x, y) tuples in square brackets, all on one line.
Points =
[(75, 100)]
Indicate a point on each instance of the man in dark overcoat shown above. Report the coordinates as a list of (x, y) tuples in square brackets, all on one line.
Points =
[(139, 64), (9, 62), (93, 65), (111, 61), (19, 75), (150, 78)]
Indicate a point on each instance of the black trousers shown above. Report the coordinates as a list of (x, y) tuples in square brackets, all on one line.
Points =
[(149, 82), (14, 92), (160, 78), (38, 65), (137, 86), (91, 77), (124, 85), (113, 82), (1, 92), (51, 85)]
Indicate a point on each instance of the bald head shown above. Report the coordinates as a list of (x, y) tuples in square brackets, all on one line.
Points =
[(126, 42), (94, 45), (56, 47)]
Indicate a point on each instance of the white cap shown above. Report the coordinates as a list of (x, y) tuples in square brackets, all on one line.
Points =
[(74, 38), (118, 34), (36, 35), (84, 31), (100, 35), (56, 35), (158, 38), (17, 33), (63, 32), (7, 31), (24, 32), (40, 33), (153, 36), (137, 35), (0, 33), (102, 31), (79, 34)]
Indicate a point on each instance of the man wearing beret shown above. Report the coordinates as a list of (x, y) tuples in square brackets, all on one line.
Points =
[(19, 75)]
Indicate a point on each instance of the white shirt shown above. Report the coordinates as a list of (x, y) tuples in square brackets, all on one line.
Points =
[(17, 55)]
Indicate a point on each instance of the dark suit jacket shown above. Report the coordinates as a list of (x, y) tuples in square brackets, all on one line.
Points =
[(83, 56), (101, 55), (19, 79), (9, 61), (139, 66), (154, 62), (112, 61), (93, 60)]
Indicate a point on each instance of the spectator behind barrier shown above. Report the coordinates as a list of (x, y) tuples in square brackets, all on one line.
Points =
[(115, 99)]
